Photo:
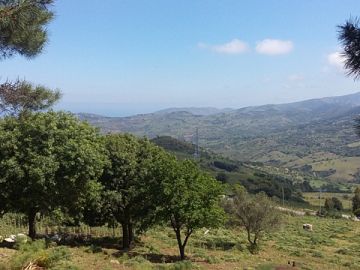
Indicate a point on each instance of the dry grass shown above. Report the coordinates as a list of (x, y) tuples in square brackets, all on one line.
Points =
[(334, 244)]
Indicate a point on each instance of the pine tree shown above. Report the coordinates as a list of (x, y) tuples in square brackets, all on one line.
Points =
[(23, 26), (23, 31), (349, 35)]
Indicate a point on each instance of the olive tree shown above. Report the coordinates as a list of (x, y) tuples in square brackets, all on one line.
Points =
[(48, 161), (256, 213)]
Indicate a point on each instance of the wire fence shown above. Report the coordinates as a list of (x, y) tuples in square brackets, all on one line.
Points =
[(16, 223)]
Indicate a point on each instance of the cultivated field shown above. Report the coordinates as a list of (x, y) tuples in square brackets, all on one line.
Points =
[(315, 199)]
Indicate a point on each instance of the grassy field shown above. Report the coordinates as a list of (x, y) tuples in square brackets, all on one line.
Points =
[(345, 167), (314, 199), (333, 244)]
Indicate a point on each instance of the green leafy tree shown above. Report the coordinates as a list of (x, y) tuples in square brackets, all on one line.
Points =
[(23, 26), (48, 161), (333, 204), (22, 97), (256, 213), (130, 183), (356, 200), (189, 199)]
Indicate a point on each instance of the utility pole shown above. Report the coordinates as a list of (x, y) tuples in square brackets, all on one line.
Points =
[(320, 202), (197, 153)]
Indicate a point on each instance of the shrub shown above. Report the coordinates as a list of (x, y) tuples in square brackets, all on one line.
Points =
[(94, 249), (357, 212), (138, 263), (317, 254), (183, 265), (225, 166), (332, 204), (343, 251), (36, 253)]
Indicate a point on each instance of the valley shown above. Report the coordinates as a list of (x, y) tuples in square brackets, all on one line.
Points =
[(316, 137)]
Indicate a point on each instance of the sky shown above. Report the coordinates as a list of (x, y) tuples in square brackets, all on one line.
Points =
[(123, 57)]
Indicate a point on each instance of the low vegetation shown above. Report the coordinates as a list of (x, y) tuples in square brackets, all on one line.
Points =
[(333, 244)]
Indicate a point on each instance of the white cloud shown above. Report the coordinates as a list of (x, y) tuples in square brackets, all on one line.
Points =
[(335, 59), (235, 46), (274, 46)]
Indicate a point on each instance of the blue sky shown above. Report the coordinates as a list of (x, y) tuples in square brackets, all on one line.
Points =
[(119, 57)]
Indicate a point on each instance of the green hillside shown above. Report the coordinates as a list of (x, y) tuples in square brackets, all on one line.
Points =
[(315, 136), (254, 176)]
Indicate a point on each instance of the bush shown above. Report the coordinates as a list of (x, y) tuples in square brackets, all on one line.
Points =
[(183, 265), (343, 251), (317, 254), (94, 249), (37, 253), (333, 204), (357, 212), (225, 166), (138, 263)]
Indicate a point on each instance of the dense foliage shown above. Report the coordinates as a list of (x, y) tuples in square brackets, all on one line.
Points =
[(131, 183), (189, 199), (47, 161)]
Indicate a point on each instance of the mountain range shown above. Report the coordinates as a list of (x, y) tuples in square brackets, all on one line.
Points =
[(314, 136)]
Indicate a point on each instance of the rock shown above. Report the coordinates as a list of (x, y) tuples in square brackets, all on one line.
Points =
[(9, 240), (115, 262), (21, 238)]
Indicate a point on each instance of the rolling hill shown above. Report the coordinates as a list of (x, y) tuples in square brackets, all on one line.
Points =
[(248, 174), (313, 136)]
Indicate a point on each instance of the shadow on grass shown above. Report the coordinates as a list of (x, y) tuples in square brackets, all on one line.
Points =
[(95, 245), (151, 257)]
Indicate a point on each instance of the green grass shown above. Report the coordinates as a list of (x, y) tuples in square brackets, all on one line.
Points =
[(313, 198), (333, 244), (37, 253)]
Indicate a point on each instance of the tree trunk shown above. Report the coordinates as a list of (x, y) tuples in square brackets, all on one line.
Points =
[(32, 224), (180, 245), (249, 237), (125, 235), (182, 252), (131, 233)]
